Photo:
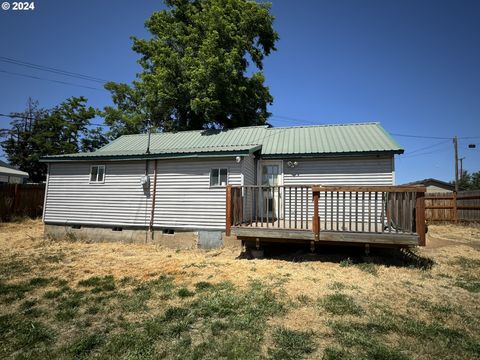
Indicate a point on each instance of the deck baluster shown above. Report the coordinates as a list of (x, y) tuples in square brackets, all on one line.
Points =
[(331, 210), (363, 211), (296, 202), (301, 207), (356, 211), (369, 211), (306, 201), (290, 207), (326, 209), (350, 211)]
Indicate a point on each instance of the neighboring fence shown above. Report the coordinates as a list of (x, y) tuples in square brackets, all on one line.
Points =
[(21, 200), (461, 206)]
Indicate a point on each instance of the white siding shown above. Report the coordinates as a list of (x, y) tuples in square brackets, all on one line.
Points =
[(248, 170), (184, 197), (120, 200), (347, 171), (352, 171)]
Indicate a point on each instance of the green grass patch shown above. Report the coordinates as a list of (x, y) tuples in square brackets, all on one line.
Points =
[(40, 281), (367, 339), (54, 258), (304, 299), (29, 308), (469, 283), (183, 292), (53, 294), (131, 343), (13, 268), (368, 267), (11, 292), (336, 285), (137, 299), (465, 263), (84, 345), (17, 332), (68, 305), (99, 283), (203, 285), (340, 304), (291, 344), (346, 262)]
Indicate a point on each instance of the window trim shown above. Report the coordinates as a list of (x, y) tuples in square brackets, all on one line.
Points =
[(90, 175), (210, 177)]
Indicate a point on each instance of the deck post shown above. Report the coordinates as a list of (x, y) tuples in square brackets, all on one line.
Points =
[(316, 220), (420, 217), (228, 209)]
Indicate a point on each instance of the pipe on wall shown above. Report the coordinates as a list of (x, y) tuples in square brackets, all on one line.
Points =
[(152, 214)]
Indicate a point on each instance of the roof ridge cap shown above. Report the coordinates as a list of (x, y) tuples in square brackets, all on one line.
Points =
[(325, 125)]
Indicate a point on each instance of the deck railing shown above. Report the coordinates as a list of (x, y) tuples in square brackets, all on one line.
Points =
[(357, 209)]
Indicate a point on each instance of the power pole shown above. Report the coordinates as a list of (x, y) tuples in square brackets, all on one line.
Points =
[(455, 147), (461, 167)]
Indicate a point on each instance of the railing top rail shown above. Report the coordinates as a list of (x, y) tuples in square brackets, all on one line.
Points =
[(370, 188), (271, 186), (345, 188)]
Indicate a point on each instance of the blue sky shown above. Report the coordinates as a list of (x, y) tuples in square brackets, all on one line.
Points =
[(414, 66)]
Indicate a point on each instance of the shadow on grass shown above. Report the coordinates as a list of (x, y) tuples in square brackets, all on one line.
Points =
[(345, 256)]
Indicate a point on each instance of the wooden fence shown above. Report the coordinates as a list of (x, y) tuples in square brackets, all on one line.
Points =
[(21, 200), (461, 206)]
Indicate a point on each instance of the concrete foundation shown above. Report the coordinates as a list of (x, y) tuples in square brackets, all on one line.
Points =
[(179, 240)]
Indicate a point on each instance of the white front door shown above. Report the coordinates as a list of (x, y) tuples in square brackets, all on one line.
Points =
[(270, 174)]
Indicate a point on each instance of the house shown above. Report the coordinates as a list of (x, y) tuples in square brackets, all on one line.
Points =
[(170, 188), (10, 175), (434, 185)]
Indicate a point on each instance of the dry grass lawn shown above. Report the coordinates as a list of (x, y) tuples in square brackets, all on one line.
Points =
[(71, 299)]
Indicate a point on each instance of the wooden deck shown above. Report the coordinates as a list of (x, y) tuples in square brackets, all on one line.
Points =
[(387, 215)]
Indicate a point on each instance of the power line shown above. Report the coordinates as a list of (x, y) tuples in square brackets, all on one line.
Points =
[(427, 147), (52, 70), (422, 137), (425, 153), (51, 80), (30, 118), (281, 118), (434, 137)]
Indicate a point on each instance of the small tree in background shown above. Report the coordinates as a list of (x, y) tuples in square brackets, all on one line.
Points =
[(37, 132), (195, 69), (469, 181)]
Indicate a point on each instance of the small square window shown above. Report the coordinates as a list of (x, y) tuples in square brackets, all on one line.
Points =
[(97, 173), (218, 177)]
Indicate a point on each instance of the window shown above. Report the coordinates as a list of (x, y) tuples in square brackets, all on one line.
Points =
[(218, 177), (97, 173)]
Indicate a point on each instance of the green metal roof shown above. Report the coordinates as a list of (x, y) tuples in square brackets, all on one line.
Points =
[(272, 142), (328, 139)]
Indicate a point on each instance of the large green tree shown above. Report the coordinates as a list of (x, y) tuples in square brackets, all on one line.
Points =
[(37, 132), (202, 67)]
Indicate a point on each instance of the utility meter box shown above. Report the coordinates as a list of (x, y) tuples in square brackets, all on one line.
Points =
[(145, 181)]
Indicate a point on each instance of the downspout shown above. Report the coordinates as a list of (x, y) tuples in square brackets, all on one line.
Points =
[(46, 193), (152, 214)]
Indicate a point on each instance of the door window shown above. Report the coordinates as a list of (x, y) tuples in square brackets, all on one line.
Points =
[(270, 175)]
